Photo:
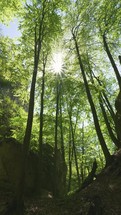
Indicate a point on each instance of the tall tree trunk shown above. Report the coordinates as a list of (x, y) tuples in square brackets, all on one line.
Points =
[(106, 100), (61, 129), (20, 189), (118, 76), (70, 160), (94, 113), (19, 196), (119, 57), (103, 99), (40, 166), (82, 157), (74, 150), (109, 107), (55, 192), (62, 140)]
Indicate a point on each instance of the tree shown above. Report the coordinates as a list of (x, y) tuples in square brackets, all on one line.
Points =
[(10, 9), (103, 101), (13, 85), (40, 166), (39, 30), (74, 153), (107, 18), (112, 61), (56, 135), (95, 117)]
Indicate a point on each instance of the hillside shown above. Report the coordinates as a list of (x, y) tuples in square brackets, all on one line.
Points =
[(102, 197)]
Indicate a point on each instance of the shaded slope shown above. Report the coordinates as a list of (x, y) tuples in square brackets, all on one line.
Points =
[(101, 197)]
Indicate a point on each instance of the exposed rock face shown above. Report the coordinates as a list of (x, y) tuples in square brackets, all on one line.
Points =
[(118, 117), (10, 158)]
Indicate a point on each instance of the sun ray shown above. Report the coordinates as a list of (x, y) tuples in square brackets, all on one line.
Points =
[(57, 63)]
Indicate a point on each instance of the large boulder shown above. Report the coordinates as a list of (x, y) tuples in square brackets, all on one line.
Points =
[(118, 117), (10, 159)]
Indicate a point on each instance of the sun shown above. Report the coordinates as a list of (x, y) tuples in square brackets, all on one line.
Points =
[(57, 63)]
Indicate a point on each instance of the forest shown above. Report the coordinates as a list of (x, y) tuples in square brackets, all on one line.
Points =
[(60, 108)]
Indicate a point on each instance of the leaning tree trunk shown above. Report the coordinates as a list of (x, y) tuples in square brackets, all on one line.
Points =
[(105, 99), (109, 107), (94, 113), (118, 76), (110, 131)]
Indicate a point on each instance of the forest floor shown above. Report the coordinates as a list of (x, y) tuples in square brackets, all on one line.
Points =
[(101, 197)]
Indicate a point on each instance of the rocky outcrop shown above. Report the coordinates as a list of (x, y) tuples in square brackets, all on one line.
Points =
[(118, 117), (10, 158)]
